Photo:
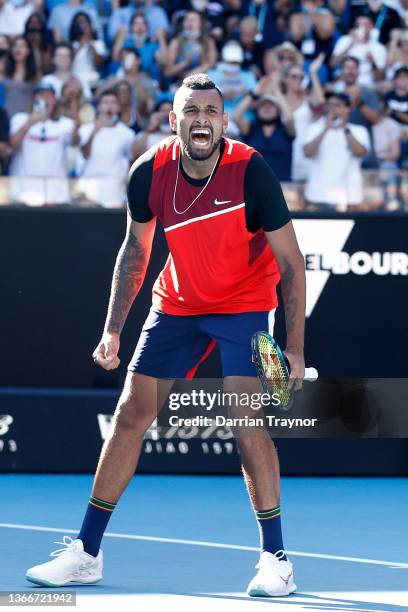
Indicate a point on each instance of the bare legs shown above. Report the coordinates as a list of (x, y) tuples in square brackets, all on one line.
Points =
[(137, 409), (135, 412), (260, 463)]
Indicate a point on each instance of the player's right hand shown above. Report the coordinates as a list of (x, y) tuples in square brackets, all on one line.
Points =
[(106, 353)]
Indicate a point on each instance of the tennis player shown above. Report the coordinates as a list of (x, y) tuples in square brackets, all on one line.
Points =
[(231, 240)]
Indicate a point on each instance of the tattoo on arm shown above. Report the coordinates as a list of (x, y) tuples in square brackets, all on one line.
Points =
[(128, 276), (293, 291), (290, 300)]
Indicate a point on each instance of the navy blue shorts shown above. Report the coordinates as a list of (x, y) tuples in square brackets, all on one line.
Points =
[(173, 346)]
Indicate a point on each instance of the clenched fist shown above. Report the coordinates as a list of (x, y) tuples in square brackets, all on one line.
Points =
[(106, 353)]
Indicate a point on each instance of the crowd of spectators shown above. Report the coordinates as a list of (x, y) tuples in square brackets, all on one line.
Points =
[(320, 88)]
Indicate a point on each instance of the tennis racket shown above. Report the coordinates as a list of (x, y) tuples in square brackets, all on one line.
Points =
[(274, 370)]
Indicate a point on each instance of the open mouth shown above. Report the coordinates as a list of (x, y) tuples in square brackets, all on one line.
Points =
[(200, 136)]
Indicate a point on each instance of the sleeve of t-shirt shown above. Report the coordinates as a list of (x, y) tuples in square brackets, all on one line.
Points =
[(85, 132), (100, 47), (361, 134), (341, 45), (265, 204), (312, 131), (128, 141), (138, 188), (68, 127), (380, 55), (17, 122)]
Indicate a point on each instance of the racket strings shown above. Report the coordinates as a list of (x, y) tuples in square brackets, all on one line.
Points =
[(270, 361), (275, 372)]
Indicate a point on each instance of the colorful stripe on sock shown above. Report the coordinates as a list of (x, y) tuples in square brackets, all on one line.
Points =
[(101, 504), (268, 514)]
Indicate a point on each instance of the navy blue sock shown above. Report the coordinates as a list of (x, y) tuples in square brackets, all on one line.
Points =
[(94, 524), (270, 530)]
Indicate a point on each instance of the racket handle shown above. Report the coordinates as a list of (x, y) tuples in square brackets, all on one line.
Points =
[(311, 374)]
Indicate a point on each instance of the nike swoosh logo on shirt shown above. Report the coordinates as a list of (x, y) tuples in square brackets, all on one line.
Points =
[(219, 202)]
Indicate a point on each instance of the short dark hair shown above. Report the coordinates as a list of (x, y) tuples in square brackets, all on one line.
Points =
[(130, 49), (340, 96), (364, 13), (351, 58), (108, 92), (201, 81), (401, 70)]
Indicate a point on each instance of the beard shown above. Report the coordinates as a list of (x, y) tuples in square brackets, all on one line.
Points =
[(197, 154)]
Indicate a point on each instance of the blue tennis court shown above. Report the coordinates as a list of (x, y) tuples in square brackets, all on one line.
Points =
[(191, 542)]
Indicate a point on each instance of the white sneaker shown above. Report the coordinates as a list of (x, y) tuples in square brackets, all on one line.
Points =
[(274, 577), (72, 564)]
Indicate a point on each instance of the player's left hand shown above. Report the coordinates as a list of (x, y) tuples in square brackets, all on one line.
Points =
[(297, 369)]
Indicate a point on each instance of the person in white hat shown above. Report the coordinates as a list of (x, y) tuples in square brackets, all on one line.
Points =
[(228, 75)]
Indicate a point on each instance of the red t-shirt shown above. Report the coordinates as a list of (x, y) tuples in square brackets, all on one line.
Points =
[(219, 260)]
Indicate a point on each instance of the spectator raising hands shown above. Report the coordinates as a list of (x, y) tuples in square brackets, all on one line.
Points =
[(364, 100), (335, 148), (360, 44), (254, 48), (156, 18), (228, 75), (62, 15), (74, 104), (36, 34), (312, 28), (152, 54), (193, 50), (62, 73), (387, 135), (271, 131), (144, 88), (305, 103), (108, 147), (89, 52), (274, 62)]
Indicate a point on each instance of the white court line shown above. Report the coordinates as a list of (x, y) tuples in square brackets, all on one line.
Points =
[(126, 536)]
